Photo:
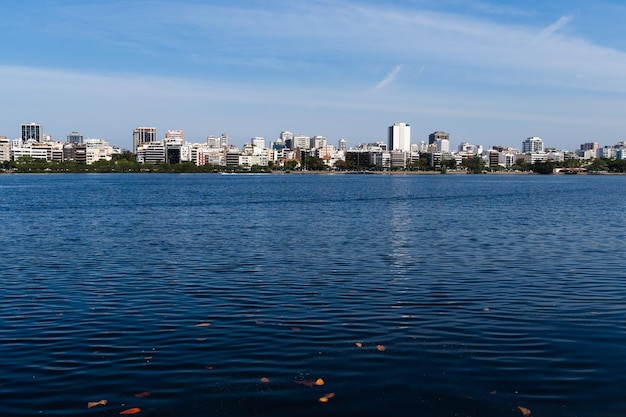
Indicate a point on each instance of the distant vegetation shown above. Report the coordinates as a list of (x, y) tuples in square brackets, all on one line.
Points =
[(126, 162)]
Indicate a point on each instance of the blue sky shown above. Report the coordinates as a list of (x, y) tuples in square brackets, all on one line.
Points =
[(487, 72)]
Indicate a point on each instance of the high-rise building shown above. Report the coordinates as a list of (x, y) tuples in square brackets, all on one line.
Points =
[(590, 146), (224, 140), (75, 137), (142, 135), (342, 145), (175, 136), (5, 149), (399, 138), (258, 142), (286, 135), (301, 142), (533, 144), (438, 135), (318, 142), (287, 139), (213, 142), (31, 131)]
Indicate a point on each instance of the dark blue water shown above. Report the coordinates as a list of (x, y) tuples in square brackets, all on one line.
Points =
[(468, 295)]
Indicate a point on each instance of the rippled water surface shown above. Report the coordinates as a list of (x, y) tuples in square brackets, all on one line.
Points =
[(230, 295)]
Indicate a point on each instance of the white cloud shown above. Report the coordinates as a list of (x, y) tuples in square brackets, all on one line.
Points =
[(556, 26), (306, 66), (391, 77)]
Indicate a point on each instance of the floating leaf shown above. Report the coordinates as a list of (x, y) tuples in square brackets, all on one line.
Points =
[(258, 322), (381, 348), (359, 344), (143, 394), (485, 308), (133, 410), (325, 398), (525, 411), (201, 339), (96, 403), (295, 329), (319, 381), (264, 380), (209, 367), (203, 324), (306, 383)]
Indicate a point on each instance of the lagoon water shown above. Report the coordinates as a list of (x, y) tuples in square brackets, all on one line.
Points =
[(230, 295)]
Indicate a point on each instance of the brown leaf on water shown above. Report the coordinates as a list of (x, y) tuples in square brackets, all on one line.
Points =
[(359, 344), (265, 380), (209, 367), (525, 411), (203, 324), (143, 394), (308, 383), (326, 397), (295, 329), (381, 348), (91, 404), (133, 410)]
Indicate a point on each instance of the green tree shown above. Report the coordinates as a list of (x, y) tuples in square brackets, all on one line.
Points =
[(598, 165), (616, 165), (314, 163), (543, 167), (290, 165), (474, 164), (340, 165)]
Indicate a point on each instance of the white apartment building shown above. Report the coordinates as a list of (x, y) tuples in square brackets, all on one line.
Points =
[(177, 136), (533, 144), (442, 145), (5, 149), (533, 158), (318, 142), (301, 142), (507, 159), (97, 149), (399, 138), (51, 151)]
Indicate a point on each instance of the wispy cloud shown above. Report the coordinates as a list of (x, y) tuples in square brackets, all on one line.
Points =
[(280, 73), (556, 26), (391, 77)]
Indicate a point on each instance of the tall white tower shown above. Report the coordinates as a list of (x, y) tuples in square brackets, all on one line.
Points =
[(533, 144), (400, 137)]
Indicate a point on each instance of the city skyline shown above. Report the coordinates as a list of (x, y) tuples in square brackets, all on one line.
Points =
[(395, 139), (485, 72)]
